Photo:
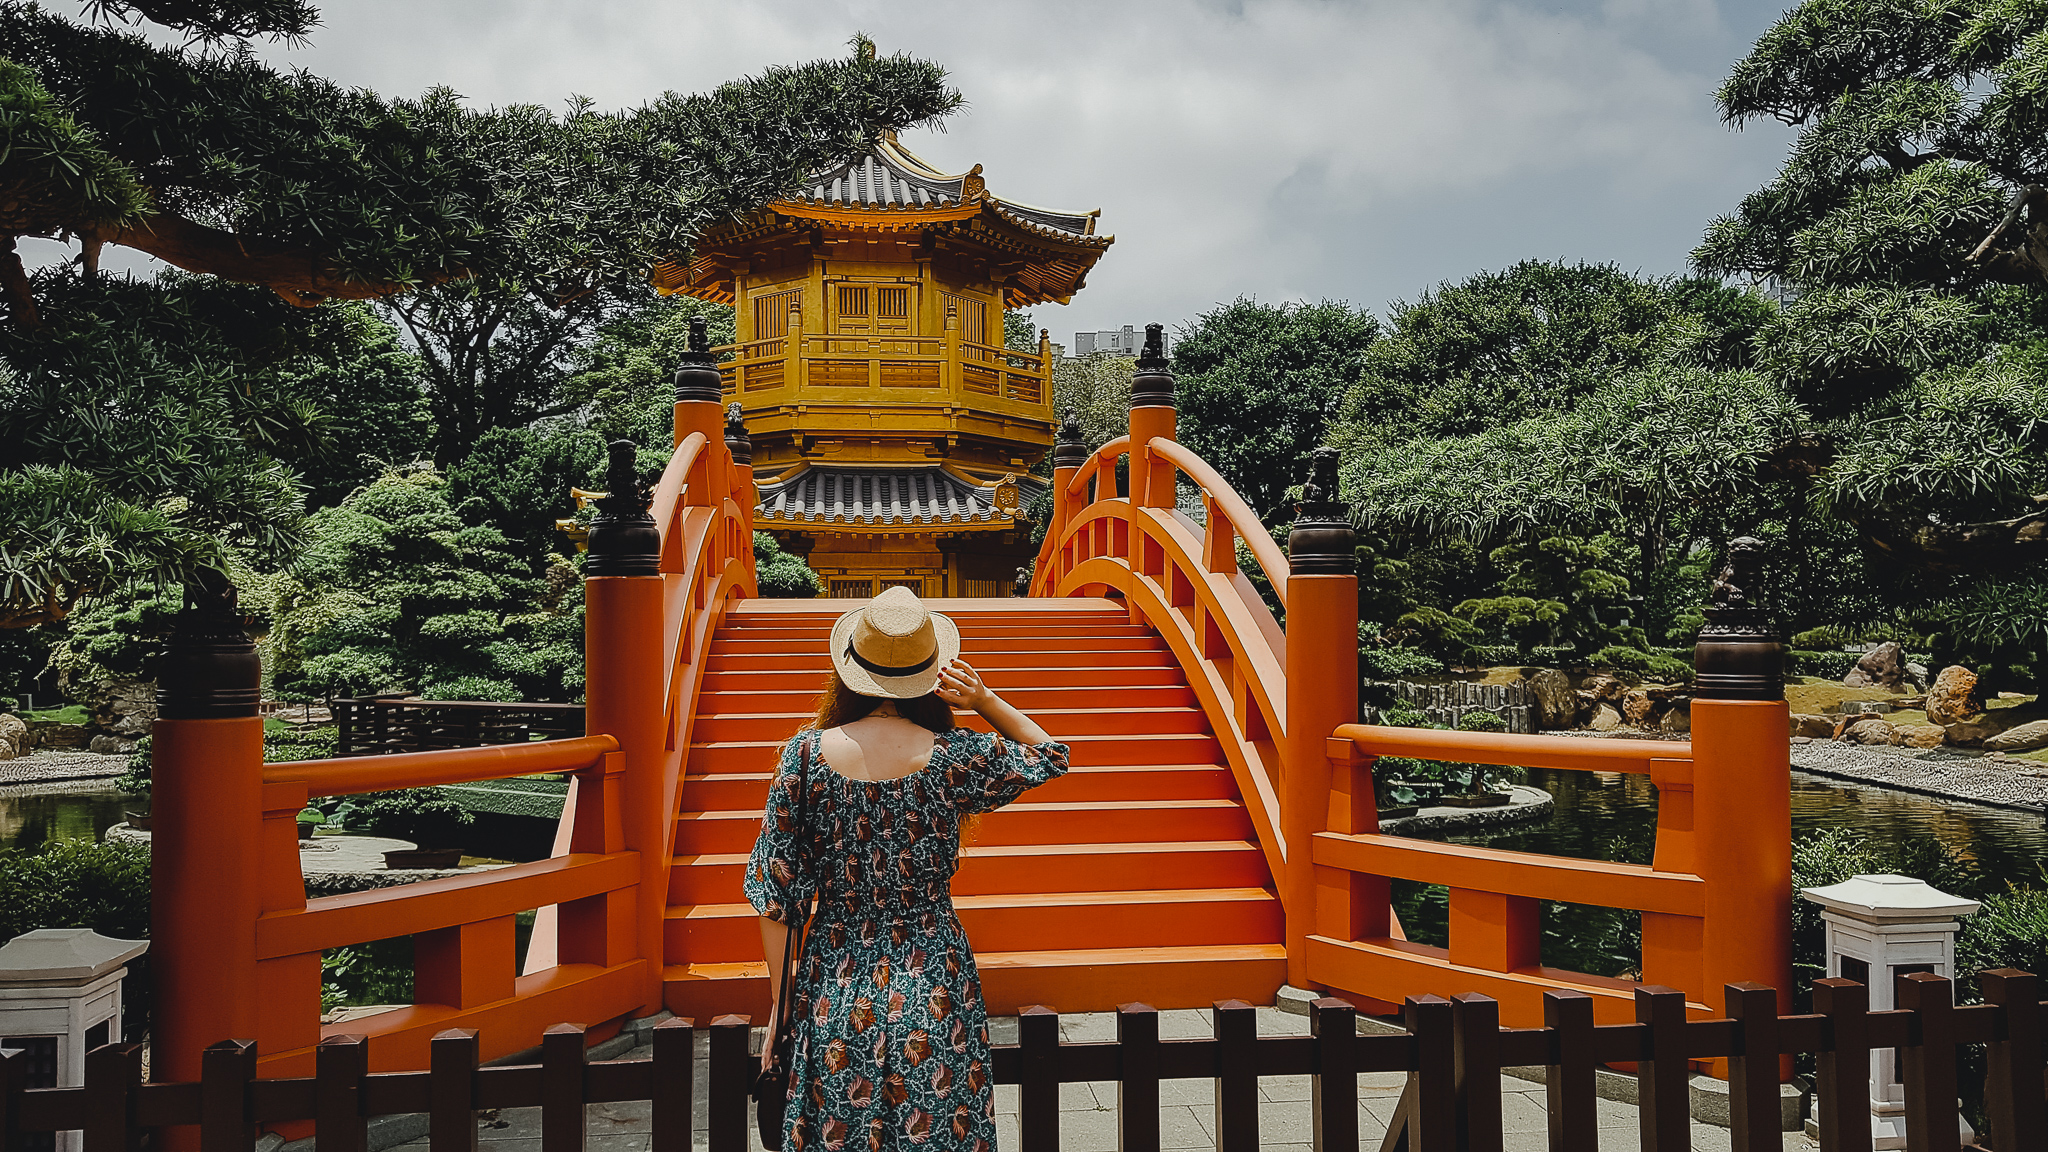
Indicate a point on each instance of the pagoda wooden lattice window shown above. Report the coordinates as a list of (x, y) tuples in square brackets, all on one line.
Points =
[(771, 340)]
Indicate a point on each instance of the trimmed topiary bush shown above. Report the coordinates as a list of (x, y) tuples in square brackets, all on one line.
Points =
[(1481, 721), (1397, 663)]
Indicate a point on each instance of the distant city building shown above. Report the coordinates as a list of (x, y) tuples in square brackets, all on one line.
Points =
[(1125, 341)]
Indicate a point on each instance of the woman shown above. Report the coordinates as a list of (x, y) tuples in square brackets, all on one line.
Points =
[(890, 1038)]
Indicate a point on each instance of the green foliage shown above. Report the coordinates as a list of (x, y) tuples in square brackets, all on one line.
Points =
[(1917, 269), (1397, 664), (76, 884), (1481, 721), (1534, 339), (404, 192), (624, 377), (2009, 931), (782, 575), (58, 177), (1831, 664), (1637, 662), (396, 592), (1257, 385), (423, 816), (1097, 389), (1019, 332), (517, 481), (379, 972), (113, 641)]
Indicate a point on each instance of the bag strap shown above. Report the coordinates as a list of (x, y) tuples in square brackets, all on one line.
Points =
[(792, 942)]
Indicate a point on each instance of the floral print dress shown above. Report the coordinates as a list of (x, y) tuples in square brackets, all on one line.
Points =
[(891, 1036)]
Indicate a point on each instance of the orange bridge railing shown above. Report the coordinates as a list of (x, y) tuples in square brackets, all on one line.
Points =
[(237, 944), (1715, 901)]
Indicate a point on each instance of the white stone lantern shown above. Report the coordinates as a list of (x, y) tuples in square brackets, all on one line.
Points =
[(1879, 929), (60, 997)]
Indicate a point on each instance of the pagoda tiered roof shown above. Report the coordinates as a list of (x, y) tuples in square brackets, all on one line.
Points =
[(1045, 253), (912, 496)]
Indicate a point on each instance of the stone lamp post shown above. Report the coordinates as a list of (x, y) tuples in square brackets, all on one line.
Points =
[(1880, 928), (60, 997)]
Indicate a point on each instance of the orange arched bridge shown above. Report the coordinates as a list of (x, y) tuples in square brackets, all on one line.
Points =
[(1216, 838)]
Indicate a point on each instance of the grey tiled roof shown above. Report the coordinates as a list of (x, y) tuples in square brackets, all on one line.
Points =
[(929, 495), (876, 180), (873, 183)]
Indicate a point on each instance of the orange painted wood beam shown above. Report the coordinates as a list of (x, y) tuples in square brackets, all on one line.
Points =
[(1597, 882)]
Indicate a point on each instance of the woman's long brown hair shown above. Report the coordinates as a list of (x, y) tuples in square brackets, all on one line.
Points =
[(842, 705)]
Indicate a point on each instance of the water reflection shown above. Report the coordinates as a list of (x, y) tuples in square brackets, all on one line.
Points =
[(1613, 816), (30, 815)]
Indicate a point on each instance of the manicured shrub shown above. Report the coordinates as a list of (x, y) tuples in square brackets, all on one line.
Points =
[(1397, 663), (424, 816), (1491, 655), (782, 575), (1481, 722)]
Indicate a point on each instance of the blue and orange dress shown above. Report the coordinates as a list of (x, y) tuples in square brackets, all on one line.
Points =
[(890, 1036)]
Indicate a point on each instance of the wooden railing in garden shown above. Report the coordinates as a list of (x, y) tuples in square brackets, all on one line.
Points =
[(373, 725), (1452, 1050)]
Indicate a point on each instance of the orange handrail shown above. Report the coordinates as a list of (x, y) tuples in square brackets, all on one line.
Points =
[(1514, 749), (1101, 458), (1243, 520), (357, 774)]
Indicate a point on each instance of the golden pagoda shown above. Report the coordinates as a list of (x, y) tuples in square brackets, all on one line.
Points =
[(892, 431)]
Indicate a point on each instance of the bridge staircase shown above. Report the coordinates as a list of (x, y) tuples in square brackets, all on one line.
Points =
[(1135, 877)]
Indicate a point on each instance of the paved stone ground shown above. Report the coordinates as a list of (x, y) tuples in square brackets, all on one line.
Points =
[(1944, 772), (1088, 1111), (67, 765)]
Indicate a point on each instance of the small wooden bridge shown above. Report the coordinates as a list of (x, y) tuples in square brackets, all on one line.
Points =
[(1217, 838)]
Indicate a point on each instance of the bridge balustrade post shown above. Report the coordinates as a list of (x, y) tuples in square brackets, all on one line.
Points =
[(1069, 453), (1322, 688), (205, 847), (625, 685), (740, 447), (1742, 789), (700, 407), (1152, 415)]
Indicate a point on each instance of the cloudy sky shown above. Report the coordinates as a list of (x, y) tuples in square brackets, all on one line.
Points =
[(1281, 149)]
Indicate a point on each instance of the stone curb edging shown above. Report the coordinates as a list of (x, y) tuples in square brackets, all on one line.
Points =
[(1529, 803), (1877, 779)]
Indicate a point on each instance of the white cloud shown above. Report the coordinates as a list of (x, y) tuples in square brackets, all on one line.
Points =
[(1277, 148)]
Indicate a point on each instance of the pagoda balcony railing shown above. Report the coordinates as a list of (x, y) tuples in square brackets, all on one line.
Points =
[(950, 368)]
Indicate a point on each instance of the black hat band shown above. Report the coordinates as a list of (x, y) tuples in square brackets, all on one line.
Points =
[(886, 670)]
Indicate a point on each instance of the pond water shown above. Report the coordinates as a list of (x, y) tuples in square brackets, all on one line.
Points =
[(33, 814), (1613, 816)]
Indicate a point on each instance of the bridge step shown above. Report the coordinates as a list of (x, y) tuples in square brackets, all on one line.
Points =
[(1045, 822), (1071, 980), (1015, 922), (1130, 782), (1006, 679), (991, 869), (1137, 876), (716, 724), (1035, 700), (1158, 656), (1089, 749)]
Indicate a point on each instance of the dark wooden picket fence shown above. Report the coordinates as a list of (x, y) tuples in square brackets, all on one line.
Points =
[(370, 725), (1453, 1051)]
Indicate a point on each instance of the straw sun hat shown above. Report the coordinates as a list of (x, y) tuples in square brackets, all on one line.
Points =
[(894, 646)]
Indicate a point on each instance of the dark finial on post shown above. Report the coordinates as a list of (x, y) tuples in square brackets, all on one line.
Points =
[(623, 539), (696, 372), (1322, 543), (1021, 585), (1068, 449), (1738, 655), (1152, 385), (736, 438), (209, 669)]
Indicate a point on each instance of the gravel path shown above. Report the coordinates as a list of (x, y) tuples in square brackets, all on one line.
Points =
[(60, 766), (1941, 772)]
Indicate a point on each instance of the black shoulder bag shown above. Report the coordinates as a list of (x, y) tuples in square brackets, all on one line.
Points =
[(771, 1084)]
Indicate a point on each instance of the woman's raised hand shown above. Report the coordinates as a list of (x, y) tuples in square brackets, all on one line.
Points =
[(960, 685)]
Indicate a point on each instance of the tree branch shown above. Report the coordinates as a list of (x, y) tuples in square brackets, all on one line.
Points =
[(1961, 549), (2020, 199), (14, 283), (299, 275)]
